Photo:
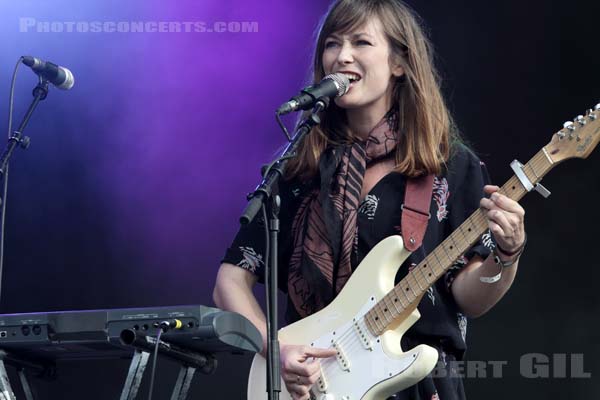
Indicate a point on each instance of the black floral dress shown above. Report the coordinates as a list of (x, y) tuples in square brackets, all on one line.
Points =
[(456, 195)]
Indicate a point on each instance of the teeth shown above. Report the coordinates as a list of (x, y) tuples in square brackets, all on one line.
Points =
[(351, 76)]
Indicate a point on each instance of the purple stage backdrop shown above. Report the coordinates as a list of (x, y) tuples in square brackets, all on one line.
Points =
[(170, 118)]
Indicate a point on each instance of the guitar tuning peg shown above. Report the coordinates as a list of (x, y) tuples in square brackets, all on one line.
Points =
[(590, 113), (571, 127), (560, 134), (580, 120), (597, 107)]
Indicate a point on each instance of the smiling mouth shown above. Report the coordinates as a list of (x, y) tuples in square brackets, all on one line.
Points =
[(352, 77)]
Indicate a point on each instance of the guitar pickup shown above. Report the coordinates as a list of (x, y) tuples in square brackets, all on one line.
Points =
[(341, 357), (321, 382), (363, 336)]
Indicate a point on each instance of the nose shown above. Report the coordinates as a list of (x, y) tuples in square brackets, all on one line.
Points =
[(345, 56)]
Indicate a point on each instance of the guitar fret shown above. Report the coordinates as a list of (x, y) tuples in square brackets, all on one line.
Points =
[(423, 274), (368, 324), (443, 246), (544, 159), (416, 280), (544, 163), (397, 297), (402, 294), (425, 265), (373, 326), (386, 301), (436, 266), (387, 314), (410, 285), (474, 221), (376, 321), (460, 229), (459, 248), (532, 169), (434, 254), (405, 293), (517, 188), (469, 226), (387, 317), (532, 179), (408, 291), (394, 302)]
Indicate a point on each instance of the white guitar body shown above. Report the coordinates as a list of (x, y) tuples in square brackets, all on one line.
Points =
[(367, 367)]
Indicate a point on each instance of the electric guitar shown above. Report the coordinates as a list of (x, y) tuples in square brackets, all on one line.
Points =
[(367, 319)]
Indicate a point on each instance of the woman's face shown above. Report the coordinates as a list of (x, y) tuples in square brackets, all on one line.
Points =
[(364, 55)]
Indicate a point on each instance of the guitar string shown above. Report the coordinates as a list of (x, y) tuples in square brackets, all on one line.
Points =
[(333, 367), (342, 341), (346, 342)]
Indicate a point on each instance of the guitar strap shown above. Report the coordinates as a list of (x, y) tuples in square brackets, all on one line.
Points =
[(415, 210)]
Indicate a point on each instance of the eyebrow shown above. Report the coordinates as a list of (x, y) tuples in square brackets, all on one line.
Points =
[(353, 36)]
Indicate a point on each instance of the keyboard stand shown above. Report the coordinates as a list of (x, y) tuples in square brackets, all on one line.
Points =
[(6, 392), (184, 380), (135, 375), (189, 361)]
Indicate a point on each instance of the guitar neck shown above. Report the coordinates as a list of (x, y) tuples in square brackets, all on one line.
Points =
[(406, 295)]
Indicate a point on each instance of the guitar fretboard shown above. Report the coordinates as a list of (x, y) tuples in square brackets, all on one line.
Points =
[(408, 292)]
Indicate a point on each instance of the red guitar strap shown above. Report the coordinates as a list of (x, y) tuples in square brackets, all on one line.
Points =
[(415, 210)]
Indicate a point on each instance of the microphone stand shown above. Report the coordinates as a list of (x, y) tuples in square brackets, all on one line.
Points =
[(39, 93), (266, 195), (16, 138)]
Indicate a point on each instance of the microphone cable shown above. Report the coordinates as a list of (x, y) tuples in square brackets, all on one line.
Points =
[(160, 331), (5, 177)]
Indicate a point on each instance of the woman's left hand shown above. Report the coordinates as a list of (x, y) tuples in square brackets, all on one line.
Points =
[(505, 219)]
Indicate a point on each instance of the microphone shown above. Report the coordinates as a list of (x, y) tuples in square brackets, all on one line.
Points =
[(333, 85), (59, 76)]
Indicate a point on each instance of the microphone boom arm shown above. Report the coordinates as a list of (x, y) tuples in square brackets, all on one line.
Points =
[(275, 170), (39, 92)]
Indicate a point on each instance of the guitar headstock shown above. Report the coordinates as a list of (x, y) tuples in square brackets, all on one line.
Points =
[(577, 139)]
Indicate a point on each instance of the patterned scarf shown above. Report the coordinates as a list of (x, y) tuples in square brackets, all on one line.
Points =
[(325, 227)]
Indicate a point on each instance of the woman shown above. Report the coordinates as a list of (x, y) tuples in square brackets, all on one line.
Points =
[(343, 194)]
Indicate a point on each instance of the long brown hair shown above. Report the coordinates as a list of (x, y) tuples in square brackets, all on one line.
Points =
[(423, 120)]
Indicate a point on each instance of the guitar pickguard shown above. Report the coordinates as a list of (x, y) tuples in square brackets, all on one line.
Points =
[(360, 354)]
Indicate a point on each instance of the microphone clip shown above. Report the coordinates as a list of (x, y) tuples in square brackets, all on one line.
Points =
[(41, 89)]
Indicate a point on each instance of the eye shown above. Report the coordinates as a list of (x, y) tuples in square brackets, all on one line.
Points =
[(362, 42), (330, 43)]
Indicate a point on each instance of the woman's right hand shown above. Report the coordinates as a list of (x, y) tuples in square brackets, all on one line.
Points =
[(300, 368)]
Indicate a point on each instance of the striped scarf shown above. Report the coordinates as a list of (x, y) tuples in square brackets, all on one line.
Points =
[(324, 228)]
